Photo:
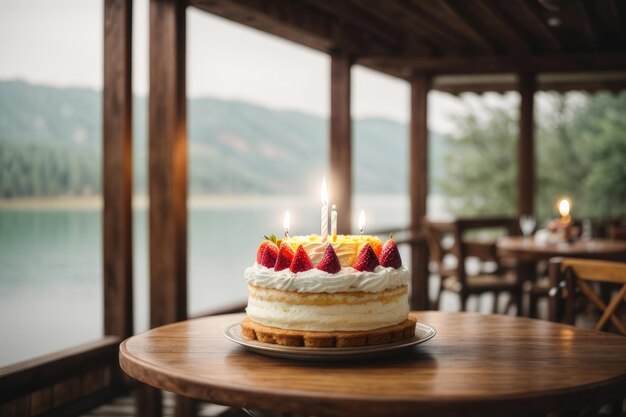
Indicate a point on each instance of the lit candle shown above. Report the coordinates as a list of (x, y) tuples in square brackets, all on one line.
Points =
[(324, 196), (361, 222), (333, 223), (564, 209), (286, 224)]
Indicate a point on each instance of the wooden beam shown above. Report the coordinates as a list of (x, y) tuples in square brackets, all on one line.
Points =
[(585, 24), (494, 64), (420, 40), (340, 146), (466, 26), (117, 170), (424, 26), (515, 42), (363, 21), (592, 86), (418, 187), (529, 11), (168, 153), (610, 19), (168, 163), (299, 21), (526, 146)]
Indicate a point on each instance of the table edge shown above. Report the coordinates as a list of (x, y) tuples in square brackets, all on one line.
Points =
[(319, 402)]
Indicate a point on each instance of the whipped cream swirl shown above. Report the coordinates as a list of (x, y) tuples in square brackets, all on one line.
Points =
[(317, 281)]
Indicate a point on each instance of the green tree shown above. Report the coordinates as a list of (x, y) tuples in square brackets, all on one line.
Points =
[(480, 163), (580, 152)]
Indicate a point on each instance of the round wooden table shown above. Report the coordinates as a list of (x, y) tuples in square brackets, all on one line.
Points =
[(475, 365), (527, 249)]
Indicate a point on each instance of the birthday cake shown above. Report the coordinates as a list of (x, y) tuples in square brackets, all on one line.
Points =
[(348, 291)]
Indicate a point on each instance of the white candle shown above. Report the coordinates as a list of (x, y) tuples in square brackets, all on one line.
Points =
[(324, 195), (361, 221), (333, 222), (287, 223)]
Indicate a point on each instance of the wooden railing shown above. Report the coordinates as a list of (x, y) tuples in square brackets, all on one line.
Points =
[(68, 382)]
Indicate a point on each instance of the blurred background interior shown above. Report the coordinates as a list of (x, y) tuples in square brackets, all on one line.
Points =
[(258, 123)]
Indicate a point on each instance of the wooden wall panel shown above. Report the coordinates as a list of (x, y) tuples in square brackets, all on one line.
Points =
[(418, 187), (340, 146)]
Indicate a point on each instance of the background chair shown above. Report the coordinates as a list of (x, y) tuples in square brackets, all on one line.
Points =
[(580, 279), (490, 275)]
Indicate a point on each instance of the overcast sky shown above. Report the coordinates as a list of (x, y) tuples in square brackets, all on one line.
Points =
[(44, 43)]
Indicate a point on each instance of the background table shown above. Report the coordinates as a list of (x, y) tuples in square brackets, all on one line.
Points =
[(527, 249), (476, 365)]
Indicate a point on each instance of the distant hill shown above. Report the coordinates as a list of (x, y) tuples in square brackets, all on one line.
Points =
[(51, 140)]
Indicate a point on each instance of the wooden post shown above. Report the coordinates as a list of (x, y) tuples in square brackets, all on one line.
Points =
[(167, 173), (340, 146), (117, 170), (526, 146), (418, 186)]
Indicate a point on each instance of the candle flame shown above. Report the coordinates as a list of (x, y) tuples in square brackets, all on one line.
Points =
[(361, 220), (287, 221), (564, 207), (324, 192)]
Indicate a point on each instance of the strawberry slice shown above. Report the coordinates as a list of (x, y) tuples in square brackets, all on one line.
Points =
[(366, 260), (301, 261), (330, 262), (259, 251), (390, 256), (270, 253), (285, 257)]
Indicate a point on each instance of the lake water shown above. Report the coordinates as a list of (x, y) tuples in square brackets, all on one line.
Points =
[(51, 263)]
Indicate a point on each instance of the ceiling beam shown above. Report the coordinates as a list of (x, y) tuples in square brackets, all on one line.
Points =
[(463, 23), (394, 16), (296, 21), (514, 41), (364, 21), (609, 14), (417, 20), (586, 24), (531, 14), (614, 86), (496, 64)]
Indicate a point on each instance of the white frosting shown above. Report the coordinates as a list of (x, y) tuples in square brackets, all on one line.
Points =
[(317, 281), (350, 313)]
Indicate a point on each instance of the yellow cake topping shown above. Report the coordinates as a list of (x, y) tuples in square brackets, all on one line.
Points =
[(346, 246)]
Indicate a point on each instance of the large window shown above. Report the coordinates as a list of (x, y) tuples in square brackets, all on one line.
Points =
[(257, 146), (580, 153), (50, 157), (380, 160)]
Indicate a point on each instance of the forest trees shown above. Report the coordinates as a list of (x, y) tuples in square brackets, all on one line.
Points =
[(580, 151)]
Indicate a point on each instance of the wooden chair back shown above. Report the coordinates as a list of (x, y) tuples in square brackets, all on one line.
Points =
[(578, 276), (435, 232), (484, 251)]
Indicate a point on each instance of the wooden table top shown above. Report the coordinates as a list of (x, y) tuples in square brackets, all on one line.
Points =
[(475, 365), (528, 248)]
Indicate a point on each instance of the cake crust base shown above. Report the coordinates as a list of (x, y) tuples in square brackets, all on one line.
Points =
[(252, 330)]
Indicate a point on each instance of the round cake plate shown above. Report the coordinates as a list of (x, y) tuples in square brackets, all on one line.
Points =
[(423, 332)]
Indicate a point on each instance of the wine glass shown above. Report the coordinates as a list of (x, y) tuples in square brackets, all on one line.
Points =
[(527, 223)]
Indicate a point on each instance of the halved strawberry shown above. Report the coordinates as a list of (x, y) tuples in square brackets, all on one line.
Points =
[(390, 256), (301, 261), (366, 260), (270, 253), (259, 251), (330, 262), (285, 256)]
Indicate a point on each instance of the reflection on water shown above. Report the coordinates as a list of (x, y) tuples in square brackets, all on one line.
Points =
[(51, 264)]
